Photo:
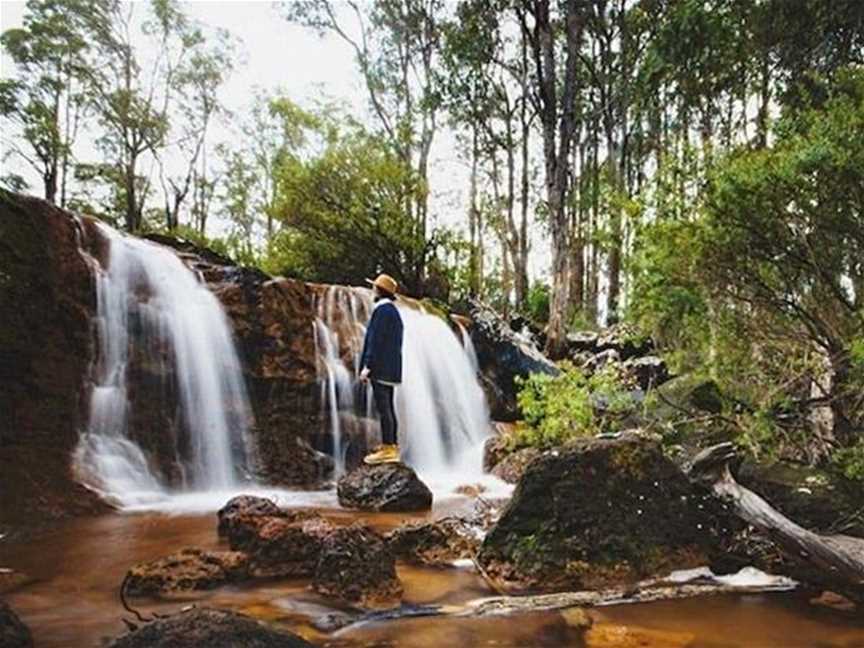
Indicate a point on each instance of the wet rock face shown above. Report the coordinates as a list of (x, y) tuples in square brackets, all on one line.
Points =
[(392, 487), (47, 301), (511, 468), (281, 546), (241, 506), (503, 355), (200, 627), (187, 570), (437, 543), (13, 633), (356, 566), (602, 512)]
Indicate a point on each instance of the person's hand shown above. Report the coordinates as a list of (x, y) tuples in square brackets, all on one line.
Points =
[(364, 375)]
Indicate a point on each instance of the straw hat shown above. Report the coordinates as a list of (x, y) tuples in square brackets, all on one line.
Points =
[(385, 282)]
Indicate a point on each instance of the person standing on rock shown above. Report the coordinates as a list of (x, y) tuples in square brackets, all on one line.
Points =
[(381, 364)]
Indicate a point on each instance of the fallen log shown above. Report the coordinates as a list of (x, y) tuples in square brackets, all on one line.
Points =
[(658, 589), (834, 562)]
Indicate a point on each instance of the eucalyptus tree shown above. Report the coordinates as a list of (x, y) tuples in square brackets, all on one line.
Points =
[(46, 100), (556, 62), (396, 46), (485, 90)]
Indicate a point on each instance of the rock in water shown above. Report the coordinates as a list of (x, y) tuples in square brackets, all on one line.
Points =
[(187, 570), (600, 513), (13, 633), (437, 543), (392, 487), (282, 546), (244, 505), (356, 566), (201, 627)]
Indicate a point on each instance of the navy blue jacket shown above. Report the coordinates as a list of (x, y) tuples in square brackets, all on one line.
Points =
[(382, 346)]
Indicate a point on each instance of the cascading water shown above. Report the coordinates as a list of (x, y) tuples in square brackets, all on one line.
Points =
[(442, 411), (148, 299)]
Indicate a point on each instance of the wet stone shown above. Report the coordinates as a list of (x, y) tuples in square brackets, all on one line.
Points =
[(357, 567), (187, 570), (200, 627), (392, 487)]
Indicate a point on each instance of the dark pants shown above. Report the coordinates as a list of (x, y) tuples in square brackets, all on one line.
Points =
[(383, 395)]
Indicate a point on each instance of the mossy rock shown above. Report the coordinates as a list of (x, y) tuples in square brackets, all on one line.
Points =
[(602, 512)]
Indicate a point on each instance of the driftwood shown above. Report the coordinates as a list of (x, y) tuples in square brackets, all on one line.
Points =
[(643, 592), (832, 561)]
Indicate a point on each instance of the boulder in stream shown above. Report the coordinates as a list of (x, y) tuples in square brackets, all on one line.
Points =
[(240, 507), (282, 546), (187, 570), (435, 543), (200, 627), (602, 512), (356, 566), (390, 487), (13, 633)]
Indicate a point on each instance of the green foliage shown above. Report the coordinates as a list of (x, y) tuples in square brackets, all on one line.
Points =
[(763, 286), (344, 215), (537, 302), (557, 409), (850, 461)]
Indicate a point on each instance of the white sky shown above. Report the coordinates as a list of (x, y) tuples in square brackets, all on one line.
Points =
[(308, 69)]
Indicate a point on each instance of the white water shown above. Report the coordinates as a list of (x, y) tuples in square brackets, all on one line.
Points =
[(178, 324), (442, 411)]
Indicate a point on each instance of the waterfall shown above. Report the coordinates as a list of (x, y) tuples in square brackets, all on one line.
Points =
[(153, 309), (442, 411)]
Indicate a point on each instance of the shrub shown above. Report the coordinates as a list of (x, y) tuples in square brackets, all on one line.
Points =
[(557, 409)]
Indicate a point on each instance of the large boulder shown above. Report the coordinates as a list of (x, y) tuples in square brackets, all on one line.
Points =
[(201, 627), (47, 301), (356, 566), (391, 487), (502, 356), (13, 633), (185, 571), (288, 545), (602, 512), (435, 543)]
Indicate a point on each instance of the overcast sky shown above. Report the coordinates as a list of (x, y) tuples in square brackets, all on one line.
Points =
[(308, 68)]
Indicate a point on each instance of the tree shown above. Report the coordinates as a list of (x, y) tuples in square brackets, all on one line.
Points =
[(46, 100), (774, 265), (134, 99), (555, 101), (343, 217), (396, 45)]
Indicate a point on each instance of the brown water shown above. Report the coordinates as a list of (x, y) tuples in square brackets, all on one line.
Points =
[(77, 568)]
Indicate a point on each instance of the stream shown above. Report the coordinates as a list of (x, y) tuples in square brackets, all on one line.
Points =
[(76, 569)]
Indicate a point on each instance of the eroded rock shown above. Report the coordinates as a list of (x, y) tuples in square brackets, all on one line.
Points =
[(185, 571), (602, 512), (200, 627), (356, 566), (436, 543), (392, 487), (244, 506), (281, 546)]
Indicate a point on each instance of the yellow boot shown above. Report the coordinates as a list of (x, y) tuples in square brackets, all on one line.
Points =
[(384, 454)]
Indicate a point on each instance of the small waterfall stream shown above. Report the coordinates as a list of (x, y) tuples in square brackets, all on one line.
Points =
[(148, 294), (157, 323), (442, 411)]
